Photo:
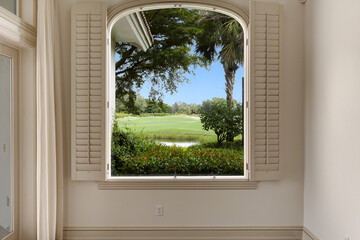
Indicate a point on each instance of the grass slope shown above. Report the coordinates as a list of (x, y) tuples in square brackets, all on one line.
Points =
[(175, 127)]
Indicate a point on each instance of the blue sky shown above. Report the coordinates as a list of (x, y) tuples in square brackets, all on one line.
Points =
[(205, 84)]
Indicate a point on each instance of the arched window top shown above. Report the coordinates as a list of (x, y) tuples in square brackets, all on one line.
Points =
[(120, 10)]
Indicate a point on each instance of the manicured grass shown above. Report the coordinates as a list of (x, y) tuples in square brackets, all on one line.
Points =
[(175, 127), (140, 156)]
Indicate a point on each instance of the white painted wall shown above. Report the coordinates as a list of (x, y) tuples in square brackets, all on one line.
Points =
[(332, 117), (5, 143), (277, 203)]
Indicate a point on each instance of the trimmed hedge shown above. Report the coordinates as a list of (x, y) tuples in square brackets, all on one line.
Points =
[(122, 115), (236, 145), (154, 114), (135, 156)]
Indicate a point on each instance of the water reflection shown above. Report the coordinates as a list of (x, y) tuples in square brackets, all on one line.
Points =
[(178, 144)]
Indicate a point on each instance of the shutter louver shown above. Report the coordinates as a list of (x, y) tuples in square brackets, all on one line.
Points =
[(88, 47), (265, 71)]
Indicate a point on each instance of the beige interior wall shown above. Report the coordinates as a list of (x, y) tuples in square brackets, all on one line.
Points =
[(277, 203), (27, 11), (332, 179)]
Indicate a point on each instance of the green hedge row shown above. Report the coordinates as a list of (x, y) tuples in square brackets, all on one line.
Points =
[(135, 156), (122, 115), (154, 114)]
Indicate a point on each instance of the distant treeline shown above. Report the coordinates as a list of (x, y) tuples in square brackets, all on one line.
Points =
[(143, 105)]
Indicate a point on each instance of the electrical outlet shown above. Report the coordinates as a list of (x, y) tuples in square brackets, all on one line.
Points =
[(159, 210)]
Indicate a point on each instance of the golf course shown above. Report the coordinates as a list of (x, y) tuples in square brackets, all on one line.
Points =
[(138, 148), (177, 127)]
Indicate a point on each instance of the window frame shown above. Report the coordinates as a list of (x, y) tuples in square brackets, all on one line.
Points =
[(13, 54), (18, 34), (179, 182), (14, 31), (17, 8)]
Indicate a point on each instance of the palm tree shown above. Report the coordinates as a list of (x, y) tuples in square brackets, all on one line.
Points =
[(224, 33)]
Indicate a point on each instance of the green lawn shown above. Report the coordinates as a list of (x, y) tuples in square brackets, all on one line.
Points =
[(172, 127)]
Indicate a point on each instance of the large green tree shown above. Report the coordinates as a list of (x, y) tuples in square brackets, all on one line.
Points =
[(226, 42), (164, 64)]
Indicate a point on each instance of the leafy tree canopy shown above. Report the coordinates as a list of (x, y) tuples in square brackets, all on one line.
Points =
[(142, 105), (228, 36), (175, 32)]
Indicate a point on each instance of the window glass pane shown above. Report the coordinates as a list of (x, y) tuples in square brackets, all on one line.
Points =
[(9, 5), (6, 163), (177, 100)]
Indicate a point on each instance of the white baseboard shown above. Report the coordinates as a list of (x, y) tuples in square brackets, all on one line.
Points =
[(307, 235), (183, 233)]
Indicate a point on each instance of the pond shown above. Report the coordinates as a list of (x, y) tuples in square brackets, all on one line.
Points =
[(177, 143)]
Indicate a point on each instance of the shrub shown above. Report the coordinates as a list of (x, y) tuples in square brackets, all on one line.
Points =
[(122, 115), (154, 114), (124, 144), (225, 121), (164, 160), (236, 145), (134, 156)]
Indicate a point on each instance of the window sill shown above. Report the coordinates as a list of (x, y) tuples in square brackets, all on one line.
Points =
[(177, 183)]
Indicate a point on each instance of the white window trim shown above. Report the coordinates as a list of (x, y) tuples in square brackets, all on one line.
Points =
[(19, 37), (178, 183), (15, 31), (181, 182)]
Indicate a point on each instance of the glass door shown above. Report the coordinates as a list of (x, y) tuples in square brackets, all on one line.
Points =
[(10, 5), (6, 147)]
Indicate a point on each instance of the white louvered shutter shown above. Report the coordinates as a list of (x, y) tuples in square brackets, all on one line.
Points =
[(265, 86), (88, 66)]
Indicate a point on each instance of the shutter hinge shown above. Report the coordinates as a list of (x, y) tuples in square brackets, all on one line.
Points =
[(107, 167), (247, 41), (107, 41), (247, 104), (107, 104), (247, 166)]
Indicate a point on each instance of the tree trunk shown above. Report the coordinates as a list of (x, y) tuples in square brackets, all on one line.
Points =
[(230, 69)]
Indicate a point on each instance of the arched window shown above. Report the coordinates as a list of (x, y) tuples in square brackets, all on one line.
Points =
[(261, 67)]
